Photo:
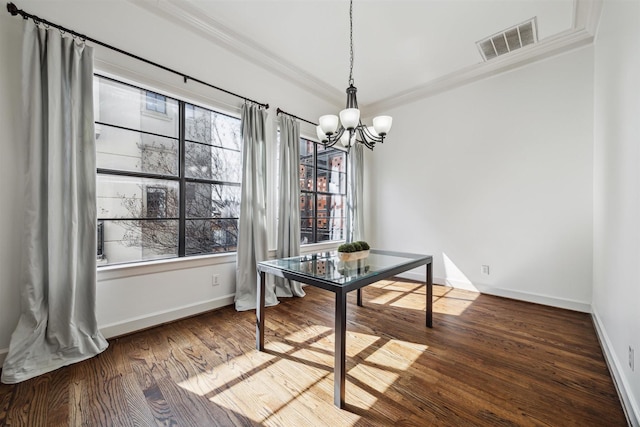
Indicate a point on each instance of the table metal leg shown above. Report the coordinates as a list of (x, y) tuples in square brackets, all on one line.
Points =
[(260, 313), (429, 295), (340, 353), (359, 297)]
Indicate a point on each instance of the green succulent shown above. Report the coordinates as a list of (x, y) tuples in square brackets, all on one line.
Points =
[(354, 247), (364, 245), (347, 248)]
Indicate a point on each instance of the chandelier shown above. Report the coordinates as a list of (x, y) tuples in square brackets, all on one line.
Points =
[(350, 129)]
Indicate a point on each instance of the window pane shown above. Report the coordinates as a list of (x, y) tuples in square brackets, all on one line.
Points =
[(128, 197), (330, 217), (215, 163), (210, 127), (130, 151), (332, 182), (307, 175), (307, 203), (211, 236), (139, 240), (212, 200), (122, 105), (306, 152), (331, 159), (306, 230)]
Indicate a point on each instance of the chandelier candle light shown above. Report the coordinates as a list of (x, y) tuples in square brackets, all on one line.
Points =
[(350, 129)]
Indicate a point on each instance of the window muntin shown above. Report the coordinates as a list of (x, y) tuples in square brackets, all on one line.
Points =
[(149, 206), (322, 192)]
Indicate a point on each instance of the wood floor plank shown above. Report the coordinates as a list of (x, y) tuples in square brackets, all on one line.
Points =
[(488, 361)]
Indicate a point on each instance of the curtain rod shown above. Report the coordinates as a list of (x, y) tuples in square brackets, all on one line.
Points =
[(279, 111), (13, 10)]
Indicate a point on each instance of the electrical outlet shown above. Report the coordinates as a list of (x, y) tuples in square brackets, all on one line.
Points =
[(215, 280), (631, 358), (484, 269)]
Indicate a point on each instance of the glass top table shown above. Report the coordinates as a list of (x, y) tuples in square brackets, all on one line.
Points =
[(327, 271)]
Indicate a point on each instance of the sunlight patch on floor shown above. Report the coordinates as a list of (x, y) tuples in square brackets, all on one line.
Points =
[(377, 378), (261, 386), (396, 354), (309, 333), (385, 298), (410, 302), (259, 392), (404, 287), (454, 301), (357, 343), (221, 376)]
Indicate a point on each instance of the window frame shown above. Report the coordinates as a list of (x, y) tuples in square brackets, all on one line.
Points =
[(181, 177)]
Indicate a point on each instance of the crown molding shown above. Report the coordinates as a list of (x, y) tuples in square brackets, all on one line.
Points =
[(188, 15), (568, 40), (586, 15), (584, 27)]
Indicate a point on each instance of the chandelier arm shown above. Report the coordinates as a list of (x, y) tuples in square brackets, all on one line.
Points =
[(333, 139), (364, 140), (370, 136)]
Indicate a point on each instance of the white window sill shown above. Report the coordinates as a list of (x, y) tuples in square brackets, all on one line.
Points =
[(119, 271)]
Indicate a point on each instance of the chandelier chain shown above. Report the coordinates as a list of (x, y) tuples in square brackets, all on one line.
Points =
[(351, 42)]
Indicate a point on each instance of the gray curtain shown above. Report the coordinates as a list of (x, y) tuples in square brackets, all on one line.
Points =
[(288, 202), (57, 324), (355, 206), (252, 230)]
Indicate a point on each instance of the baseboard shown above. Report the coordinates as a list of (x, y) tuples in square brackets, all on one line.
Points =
[(144, 322), (629, 402), (154, 319), (507, 293)]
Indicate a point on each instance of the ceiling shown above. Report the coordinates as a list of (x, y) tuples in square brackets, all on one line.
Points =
[(403, 50)]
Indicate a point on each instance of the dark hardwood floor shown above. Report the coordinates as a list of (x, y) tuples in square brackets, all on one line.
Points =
[(488, 361)]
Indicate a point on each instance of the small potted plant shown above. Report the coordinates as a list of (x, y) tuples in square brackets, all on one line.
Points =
[(354, 250)]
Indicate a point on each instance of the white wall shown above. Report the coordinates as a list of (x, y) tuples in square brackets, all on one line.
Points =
[(616, 290), (497, 173), (130, 298)]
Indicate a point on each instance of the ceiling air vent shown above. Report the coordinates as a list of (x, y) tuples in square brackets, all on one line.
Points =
[(508, 40)]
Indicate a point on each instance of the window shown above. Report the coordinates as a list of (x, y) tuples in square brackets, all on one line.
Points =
[(156, 102), (166, 186), (323, 192), (156, 202)]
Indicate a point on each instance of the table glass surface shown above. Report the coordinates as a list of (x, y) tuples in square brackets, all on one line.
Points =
[(328, 266)]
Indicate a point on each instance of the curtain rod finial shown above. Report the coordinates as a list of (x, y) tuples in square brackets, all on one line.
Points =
[(12, 9)]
